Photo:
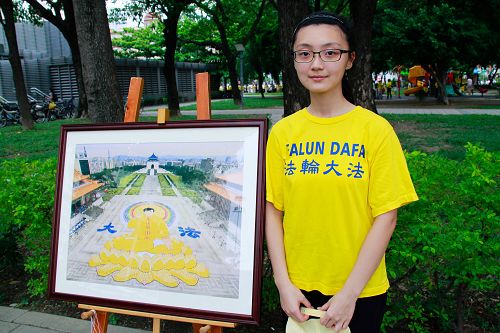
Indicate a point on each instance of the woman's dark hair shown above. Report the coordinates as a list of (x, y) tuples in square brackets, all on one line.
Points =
[(324, 17), (148, 209)]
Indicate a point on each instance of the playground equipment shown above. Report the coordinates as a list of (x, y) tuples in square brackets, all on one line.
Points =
[(418, 76)]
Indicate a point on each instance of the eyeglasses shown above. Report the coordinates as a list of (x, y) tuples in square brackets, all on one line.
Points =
[(328, 55)]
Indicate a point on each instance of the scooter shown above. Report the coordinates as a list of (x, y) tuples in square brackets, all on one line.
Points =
[(9, 114)]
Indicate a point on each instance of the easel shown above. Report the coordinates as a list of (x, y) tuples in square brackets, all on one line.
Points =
[(100, 325)]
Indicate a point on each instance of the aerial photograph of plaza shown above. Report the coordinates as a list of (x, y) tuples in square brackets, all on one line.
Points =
[(162, 216)]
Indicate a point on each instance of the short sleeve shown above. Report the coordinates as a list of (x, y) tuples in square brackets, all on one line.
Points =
[(274, 172), (390, 183)]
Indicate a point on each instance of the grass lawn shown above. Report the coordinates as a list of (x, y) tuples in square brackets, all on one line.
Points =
[(248, 103), (445, 134), (41, 142)]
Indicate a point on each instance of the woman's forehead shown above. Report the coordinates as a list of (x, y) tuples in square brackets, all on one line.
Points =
[(321, 35)]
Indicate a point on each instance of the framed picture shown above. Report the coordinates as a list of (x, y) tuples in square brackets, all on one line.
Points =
[(161, 218)]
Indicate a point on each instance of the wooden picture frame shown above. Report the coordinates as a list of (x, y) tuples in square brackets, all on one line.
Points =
[(161, 218)]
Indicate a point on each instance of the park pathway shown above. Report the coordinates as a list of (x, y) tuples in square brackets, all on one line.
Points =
[(275, 114), (151, 186)]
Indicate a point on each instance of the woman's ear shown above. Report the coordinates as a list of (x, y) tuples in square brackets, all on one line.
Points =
[(350, 60)]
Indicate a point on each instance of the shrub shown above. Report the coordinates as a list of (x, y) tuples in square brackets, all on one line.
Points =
[(27, 198), (442, 259)]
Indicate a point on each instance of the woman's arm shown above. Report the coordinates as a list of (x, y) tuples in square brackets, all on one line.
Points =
[(339, 309), (290, 296)]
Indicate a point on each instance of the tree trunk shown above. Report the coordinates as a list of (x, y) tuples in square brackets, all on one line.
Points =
[(231, 63), (7, 8), (99, 71), (69, 32), (261, 82), (83, 106), (77, 65), (233, 78), (460, 296), (440, 77), (360, 75), (170, 34), (295, 96), (491, 76)]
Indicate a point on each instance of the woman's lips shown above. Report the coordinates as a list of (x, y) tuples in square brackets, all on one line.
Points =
[(317, 78)]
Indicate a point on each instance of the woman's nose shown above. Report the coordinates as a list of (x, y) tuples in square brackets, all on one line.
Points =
[(317, 62)]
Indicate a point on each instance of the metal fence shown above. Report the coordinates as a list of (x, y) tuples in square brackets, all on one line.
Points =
[(58, 74)]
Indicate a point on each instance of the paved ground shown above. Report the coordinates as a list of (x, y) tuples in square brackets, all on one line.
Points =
[(21, 321), (14, 320)]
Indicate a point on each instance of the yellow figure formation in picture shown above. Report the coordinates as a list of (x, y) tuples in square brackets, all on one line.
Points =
[(149, 254)]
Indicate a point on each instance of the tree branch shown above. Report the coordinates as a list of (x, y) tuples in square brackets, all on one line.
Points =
[(215, 45), (255, 23), (341, 6), (396, 282), (57, 6), (47, 14)]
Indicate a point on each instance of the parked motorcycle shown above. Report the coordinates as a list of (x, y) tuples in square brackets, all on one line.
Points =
[(39, 112), (9, 114)]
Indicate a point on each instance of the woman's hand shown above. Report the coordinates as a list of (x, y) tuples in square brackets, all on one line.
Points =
[(339, 310), (291, 299)]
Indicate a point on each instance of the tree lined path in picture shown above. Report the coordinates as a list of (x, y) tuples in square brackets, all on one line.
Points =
[(151, 186), (129, 185), (172, 186)]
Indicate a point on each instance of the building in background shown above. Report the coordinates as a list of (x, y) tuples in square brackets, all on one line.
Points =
[(47, 64)]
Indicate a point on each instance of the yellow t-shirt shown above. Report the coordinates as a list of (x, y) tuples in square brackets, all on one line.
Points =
[(331, 177)]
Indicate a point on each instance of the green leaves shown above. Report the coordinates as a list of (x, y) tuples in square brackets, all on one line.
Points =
[(147, 42), (27, 198), (451, 236), (434, 32)]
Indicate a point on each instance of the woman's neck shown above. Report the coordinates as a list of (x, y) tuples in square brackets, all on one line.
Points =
[(329, 105)]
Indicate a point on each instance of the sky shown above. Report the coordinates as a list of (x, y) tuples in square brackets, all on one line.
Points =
[(180, 149), (111, 4)]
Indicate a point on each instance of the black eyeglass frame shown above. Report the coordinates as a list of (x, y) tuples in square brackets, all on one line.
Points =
[(294, 53)]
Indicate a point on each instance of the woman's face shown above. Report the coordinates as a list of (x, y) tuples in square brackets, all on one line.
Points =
[(319, 76)]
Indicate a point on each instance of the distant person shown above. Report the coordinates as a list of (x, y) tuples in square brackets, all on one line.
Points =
[(52, 99), (450, 77), (399, 86), (470, 86), (380, 89), (477, 70), (388, 87), (52, 96)]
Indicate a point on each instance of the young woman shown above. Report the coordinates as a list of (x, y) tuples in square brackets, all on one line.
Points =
[(336, 175)]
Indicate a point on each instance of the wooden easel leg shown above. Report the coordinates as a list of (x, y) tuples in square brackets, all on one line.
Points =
[(199, 328), (134, 100), (101, 324), (156, 325), (203, 106)]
